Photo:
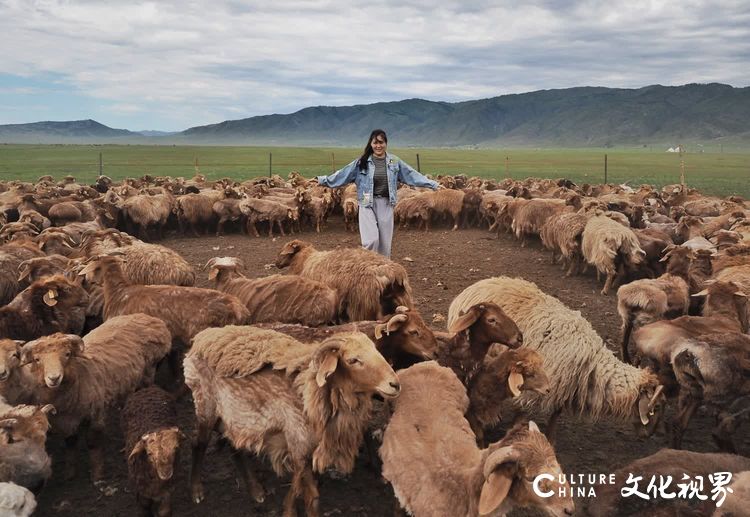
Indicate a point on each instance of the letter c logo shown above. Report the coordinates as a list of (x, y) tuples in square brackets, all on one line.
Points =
[(537, 480)]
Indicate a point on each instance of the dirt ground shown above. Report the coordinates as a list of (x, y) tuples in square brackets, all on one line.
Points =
[(443, 264)]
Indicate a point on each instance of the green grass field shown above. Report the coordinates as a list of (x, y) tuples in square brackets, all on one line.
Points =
[(714, 173)]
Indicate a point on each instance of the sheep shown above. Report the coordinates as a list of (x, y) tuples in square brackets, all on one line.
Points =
[(470, 336), (403, 338), (82, 378), (504, 373), (71, 211), (305, 406), (18, 231), (562, 234), (584, 375), (415, 207), (714, 368), (670, 464), (145, 210), (37, 268), (226, 210), (531, 216), (11, 256), (470, 209), (317, 208), (16, 501), (740, 275), (52, 304), (13, 385), (368, 284), (263, 210), (447, 202), (194, 210), (23, 433), (737, 502), (152, 440), (281, 298), (609, 246), (174, 305), (647, 300), (432, 461), (653, 242)]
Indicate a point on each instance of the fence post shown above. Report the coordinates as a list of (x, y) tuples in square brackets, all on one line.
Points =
[(270, 163), (605, 169), (100, 163), (419, 169), (507, 167), (333, 163)]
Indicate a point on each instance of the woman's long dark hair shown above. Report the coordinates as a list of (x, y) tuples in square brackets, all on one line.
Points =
[(368, 148)]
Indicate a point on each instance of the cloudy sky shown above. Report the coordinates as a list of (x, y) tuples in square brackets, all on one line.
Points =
[(170, 65)]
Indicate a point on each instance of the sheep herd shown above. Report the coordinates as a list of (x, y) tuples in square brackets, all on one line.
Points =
[(310, 369)]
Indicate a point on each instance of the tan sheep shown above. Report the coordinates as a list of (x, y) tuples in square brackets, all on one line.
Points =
[(259, 210), (531, 217), (369, 285), (144, 210), (13, 383), (585, 377), (562, 235), (195, 211), (304, 406), (447, 202), (416, 207), (83, 378), (610, 247), (431, 458), (279, 298)]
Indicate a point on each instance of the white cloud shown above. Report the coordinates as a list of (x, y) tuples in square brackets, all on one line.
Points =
[(191, 63)]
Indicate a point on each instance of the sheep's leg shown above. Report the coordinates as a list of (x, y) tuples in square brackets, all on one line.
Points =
[(94, 439), (687, 403), (254, 487), (608, 283), (165, 506), (145, 505), (220, 227), (192, 226), (71, 454), (311, 494), (203, 436), (281, 228)]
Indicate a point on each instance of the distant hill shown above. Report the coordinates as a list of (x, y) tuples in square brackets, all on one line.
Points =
[(584, 116), (61, 132)]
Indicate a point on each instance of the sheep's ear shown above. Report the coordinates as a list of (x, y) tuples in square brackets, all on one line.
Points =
[(702, 293), (395, 322), (515, 381), (213, 273), (467, 319), (139, 447), (25, 270), (327, 360), (494, 491), (50, 297), (533, 427), (379, 330)]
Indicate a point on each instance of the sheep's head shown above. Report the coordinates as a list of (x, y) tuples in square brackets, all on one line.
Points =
[(25, 423), (288, 252), (725, 299), (49, 355), (351, 358), (407, 332), (40, 267), (218, 265), (487, 323), (10, 357), (525, 373), (94, 268), (521, 460), (55, 289), (55, 242), (649, 408), (161, 448)]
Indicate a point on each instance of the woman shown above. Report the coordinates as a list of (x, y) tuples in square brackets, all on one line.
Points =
[(376, 174)]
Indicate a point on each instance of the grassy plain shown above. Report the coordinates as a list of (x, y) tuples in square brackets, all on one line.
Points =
[(712, 172)]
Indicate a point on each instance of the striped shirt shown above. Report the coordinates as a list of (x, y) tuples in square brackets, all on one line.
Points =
[(380, 179)]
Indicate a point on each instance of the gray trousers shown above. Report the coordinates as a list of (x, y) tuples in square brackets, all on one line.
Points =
[(376, 226)]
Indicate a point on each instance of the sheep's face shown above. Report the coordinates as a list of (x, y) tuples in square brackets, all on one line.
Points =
[(10, 357), (287, 253), (527, 373), (48, 357), (25, 423), (514, 468), (410, 333), (723, 299), (161, 449), (351, 358), (488, 323)]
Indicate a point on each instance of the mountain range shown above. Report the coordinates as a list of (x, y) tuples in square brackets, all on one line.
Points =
[(582, 116)]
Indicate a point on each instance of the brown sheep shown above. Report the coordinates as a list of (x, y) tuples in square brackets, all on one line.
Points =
[(305, 406), (152, 440), (144, 210), (447, 202), (648, 300), (13, 385), (194, 210), (174, 305), (531, 217), (23, 433), (417, 207), (226, 210), (280, 298), (37, 268), (258, 210), (504, 374), (52, 304), (11, 256), (403, 338), (431, 458), (562, 234), (369, 285), (82, 378), (670, 464)]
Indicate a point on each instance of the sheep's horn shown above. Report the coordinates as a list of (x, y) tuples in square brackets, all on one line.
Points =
[(48, 409), (657, 392)]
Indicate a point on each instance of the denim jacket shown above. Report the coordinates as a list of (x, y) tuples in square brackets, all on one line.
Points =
[(396, 170)]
